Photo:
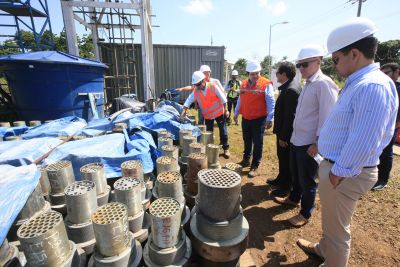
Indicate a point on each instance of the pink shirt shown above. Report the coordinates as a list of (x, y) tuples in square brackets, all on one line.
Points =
[(315, 102)]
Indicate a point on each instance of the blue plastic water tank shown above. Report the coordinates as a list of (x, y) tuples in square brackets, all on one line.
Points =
[(50, 84)]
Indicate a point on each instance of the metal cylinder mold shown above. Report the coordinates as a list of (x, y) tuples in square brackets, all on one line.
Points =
[(5, 124), (165, 217), (163, 133), (207, 137), (95, 172), (110, 225), (81, 204), (128, 191), (213, 156), (197, 148), (34, 123), (81, 201), (162, 141), (170, 151), (119, 127), (60, 175), (19, 123), (44, 240), (234, 167), (44, 181), (169, 184), (196, 162), (9, 255), (183, 133), (219, 194), (202, 128), (132, 168), (166, 163), (187, 140)]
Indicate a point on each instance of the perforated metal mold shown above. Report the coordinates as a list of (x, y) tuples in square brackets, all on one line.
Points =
[(59, 165), (132, 164), (126, 183), (233, 166), (79, 188), (219, 178), (164, 133), (164, 139), (164, 207), (164, 160), (169, 177), (109, 213), (169, 148), (40, 224), (197, 155), (189, 137), (92, 167), (196, 145), (213, 146)]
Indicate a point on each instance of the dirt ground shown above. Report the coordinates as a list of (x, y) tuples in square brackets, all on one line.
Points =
[(375, 229)]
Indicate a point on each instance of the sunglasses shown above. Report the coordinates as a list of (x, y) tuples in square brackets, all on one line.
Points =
[(304, 64), (198, 84), (335, 60), (387, 72)]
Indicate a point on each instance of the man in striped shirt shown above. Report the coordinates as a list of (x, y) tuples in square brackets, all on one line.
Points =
[(353, 136)]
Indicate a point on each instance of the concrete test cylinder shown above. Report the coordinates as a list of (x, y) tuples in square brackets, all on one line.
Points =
[(95, 172), (34, 206), (127, 190), (213, 156), (60, 175), (115, 245), (44, 242), (81, 204), (219, 229), (162, 141), (168, 245)]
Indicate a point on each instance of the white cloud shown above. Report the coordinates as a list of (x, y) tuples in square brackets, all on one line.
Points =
[(198, 7), (277, 8)]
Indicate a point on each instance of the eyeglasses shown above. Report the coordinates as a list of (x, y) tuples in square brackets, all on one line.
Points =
[(335, 60), (304, 64), (387, 72), (198, 84)]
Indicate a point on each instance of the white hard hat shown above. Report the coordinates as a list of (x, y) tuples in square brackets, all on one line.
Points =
[(204, 68), (253, 66), (197, 77), (235, 73), (351, 31), (311, 50)]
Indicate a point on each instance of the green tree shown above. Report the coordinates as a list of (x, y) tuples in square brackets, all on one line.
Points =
[(240, 66), (86, 46), (388, 51), (265, 66)]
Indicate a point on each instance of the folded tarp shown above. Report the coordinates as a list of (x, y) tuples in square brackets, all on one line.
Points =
[(12, 131), (67, 126), (24, 152), (16, 184), (107, 149)]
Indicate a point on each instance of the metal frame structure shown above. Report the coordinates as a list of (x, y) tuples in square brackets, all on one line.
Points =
[(31, 15), (113, 21)]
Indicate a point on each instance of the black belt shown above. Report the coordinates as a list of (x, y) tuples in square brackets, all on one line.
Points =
[(333, 162)]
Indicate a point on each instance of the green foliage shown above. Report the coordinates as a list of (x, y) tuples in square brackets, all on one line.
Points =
[(240, 66), (265, 66), (388, 51)]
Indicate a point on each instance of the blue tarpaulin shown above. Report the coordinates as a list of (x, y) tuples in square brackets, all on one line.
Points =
[(16, 184), (12, 131), (67, 126), (24, 152)]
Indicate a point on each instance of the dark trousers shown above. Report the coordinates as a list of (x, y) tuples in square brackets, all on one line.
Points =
[(253, 135), (285, 175), (223, 130), (386, 161), (231, 104), (200, 117), (304, 170)]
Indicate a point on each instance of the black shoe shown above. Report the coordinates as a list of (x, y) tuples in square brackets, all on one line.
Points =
[(380, 185), (274, 182), (280, 192), (245, 163)]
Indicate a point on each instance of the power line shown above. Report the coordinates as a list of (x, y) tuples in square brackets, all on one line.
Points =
[(360, 2)]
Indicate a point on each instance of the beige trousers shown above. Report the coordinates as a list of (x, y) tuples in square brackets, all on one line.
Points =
[(338, 206)]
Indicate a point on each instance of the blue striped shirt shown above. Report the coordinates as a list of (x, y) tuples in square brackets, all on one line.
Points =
[(361, 123)]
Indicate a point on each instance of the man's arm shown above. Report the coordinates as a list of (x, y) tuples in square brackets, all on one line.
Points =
[(289, 109), (189, 101), (270, 101), (327, 95), (185, 88)]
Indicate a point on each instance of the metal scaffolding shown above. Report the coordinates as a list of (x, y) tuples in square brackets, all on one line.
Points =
[(28, 15), (112, 25)]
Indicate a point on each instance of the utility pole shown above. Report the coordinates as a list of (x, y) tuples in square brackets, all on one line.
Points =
[(359, 5), (211, 40)]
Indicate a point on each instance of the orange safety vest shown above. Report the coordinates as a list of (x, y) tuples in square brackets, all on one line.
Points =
[(210, 104), (252, 99)]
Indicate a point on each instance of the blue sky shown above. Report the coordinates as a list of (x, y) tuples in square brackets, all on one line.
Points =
[(243, 26)]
